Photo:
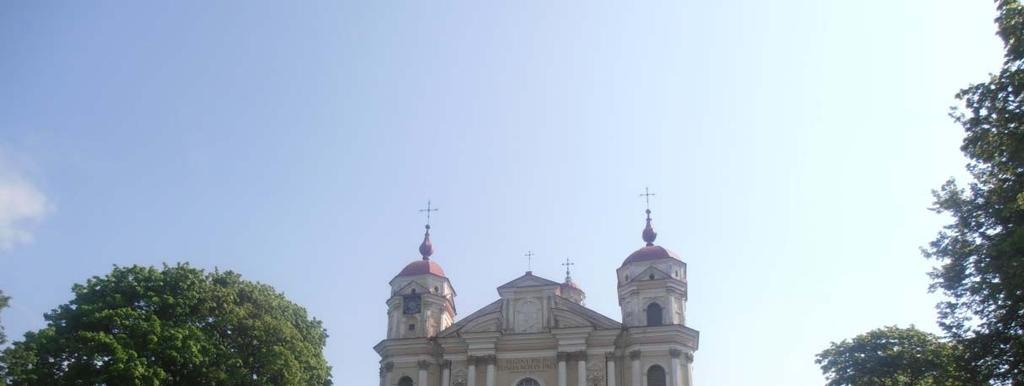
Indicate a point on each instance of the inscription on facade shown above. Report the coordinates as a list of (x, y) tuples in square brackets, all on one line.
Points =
[(526, 364)]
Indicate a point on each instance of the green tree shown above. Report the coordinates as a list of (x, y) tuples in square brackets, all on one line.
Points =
[(981, 253), (890, 356), (3, 304), (173, 326)]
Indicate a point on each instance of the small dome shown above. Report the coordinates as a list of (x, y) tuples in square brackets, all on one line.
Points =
[(570, 284), (650, 252), (422, 267), (425, 266)]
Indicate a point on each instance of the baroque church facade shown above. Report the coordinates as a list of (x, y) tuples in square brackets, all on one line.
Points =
[(538, 332)]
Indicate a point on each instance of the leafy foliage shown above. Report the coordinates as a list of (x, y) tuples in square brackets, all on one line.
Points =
[(890, 356), (3, 304), (175, 326), (981, 253)]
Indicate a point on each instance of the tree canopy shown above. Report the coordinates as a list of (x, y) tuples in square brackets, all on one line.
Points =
[(981, 253), (890, 356), (173, 326), (3, 304)]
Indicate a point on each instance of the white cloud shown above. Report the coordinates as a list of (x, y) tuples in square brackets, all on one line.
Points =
[(22, 206)]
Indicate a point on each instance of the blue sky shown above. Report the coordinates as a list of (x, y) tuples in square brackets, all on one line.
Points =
[(792, 146)]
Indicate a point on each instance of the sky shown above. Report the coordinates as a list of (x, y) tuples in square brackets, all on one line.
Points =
[(792, 145)]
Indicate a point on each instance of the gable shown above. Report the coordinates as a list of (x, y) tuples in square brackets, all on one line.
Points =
[(593, 318), (527, 280), (473, 320), (566, 313), (646, 274), (412, 285)]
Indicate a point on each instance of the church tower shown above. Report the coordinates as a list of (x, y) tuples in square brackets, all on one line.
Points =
[(539, 332), (652, 285), (652, 296), (422, 299)]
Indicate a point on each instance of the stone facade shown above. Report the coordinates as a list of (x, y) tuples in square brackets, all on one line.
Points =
[(538, 333)]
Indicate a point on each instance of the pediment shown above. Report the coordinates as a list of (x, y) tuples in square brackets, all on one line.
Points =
[(412, 285), (477, 319), (567, 314), (578, 314), (651, 273), (485, 323), (527, 280)]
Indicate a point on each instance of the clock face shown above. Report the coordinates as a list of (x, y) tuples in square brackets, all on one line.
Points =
[(411, 304)]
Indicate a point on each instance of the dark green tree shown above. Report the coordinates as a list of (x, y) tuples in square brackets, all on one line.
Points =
[(890, 356), (173, 326), (3, 304), (981, 253)]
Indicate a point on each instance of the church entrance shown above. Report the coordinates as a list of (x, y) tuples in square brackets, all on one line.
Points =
[(528, 382)]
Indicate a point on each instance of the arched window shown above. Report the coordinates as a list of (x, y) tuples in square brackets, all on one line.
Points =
[(654, 314), (656, 376), (406, 381), (528, 382)]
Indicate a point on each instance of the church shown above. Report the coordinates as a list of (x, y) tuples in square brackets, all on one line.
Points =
[(538, 332)]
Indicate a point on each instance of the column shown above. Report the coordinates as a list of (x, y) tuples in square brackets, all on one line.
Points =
[(381, 375), (581, 369), (490, 370), (387, 373), (446, 373), (689, 369), (675, 377), (610, 366), (471, 372), (561, 369), (634, 356), (422, 378)]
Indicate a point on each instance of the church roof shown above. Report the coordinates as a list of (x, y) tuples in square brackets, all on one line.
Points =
[(528, 280), (422, 267), (650, 252)]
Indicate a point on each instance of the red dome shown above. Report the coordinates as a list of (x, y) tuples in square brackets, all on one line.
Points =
[(570, 284), (650, 252), (422, 267)]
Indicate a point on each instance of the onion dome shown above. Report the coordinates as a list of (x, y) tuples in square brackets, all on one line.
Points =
[(424, 266), (650, 251)]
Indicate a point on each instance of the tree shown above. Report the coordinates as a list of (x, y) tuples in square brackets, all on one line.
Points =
[(173, 326), (981, 253), (890, 356), (3, 304)]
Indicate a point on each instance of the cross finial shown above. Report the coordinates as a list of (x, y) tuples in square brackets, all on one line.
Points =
[(428, 210), (647, 197), (529, 261), (567, 264)]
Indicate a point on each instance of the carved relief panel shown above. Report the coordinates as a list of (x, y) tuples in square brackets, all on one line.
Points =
[(595, 373), (527, 316)]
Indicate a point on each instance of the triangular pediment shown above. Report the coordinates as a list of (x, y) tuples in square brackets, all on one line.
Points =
[(651, 273), (412, 285), (528, 280), (567, 314), (475, 320), (576, 315)]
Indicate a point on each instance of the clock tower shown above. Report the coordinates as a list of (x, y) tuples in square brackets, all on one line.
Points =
[(422, 301)]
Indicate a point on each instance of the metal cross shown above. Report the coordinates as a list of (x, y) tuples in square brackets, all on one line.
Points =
[(428, 210), (567, 264), (647, 197), (529, 260)]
